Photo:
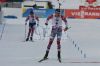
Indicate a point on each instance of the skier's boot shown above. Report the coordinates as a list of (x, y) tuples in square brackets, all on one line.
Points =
[(59, 57), (31, 38), (27, 39), (46, 55)]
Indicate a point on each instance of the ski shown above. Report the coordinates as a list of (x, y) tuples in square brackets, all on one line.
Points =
[(43, 59), (47, 59), (28, 41)]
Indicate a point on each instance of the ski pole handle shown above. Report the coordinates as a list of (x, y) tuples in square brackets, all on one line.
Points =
[(66, 29)]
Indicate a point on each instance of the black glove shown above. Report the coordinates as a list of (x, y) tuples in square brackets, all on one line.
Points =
[(66, 29), (46, 23)]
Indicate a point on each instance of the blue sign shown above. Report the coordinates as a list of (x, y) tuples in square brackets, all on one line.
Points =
[(41, 13)]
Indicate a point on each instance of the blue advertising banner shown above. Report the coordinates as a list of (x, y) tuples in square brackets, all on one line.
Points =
[(41, 13)]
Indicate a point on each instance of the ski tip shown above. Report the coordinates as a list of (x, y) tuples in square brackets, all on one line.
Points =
[(40, 60)]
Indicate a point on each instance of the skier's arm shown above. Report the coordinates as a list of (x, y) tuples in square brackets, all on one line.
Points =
[(37, 21), (66, 24), (26, 20), (50, 17)]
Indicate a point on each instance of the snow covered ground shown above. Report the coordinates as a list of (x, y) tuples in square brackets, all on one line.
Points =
[(85, 34), (80, 44)]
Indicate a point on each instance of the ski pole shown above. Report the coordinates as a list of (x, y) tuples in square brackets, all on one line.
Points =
[(2, 31), (45, 31), (59, 4), (66, 31), (25, 31), (38, 32)]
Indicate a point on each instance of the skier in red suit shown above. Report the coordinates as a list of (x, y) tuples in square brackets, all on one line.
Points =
[(57, 19), (32, 24)]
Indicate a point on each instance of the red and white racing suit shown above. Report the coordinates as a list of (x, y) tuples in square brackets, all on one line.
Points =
[(56, 29), (32, 24)]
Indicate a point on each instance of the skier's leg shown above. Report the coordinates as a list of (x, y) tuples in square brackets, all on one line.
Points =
[(48, 48), (32, 32), (59, 34), (28, 34), (30, 26), (50, 43), (58, 48)]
